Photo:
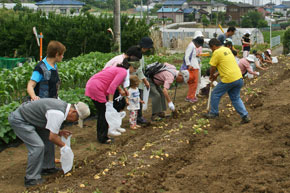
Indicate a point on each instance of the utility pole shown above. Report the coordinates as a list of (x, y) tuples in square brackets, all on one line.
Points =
[(271, 30), (117, 24), (148, 11), (141, 10)]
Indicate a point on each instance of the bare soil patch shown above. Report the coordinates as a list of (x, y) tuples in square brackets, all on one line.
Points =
[(187, 154)]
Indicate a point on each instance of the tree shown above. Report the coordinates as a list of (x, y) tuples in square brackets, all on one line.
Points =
[(252, 19), (85, 8), (262, 23), (232, 23), (72, 11), (18, 6), (204, 20), (246, 22)]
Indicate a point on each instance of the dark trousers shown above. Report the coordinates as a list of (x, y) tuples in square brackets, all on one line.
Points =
[(102, 125), (139, 115)]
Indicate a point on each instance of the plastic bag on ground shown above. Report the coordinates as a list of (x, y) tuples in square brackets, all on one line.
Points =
[(145, 98), (66, 158), (274, 59), (114, 120)]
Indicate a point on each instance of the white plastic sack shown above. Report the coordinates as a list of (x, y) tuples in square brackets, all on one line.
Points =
[(66, 158), (66, 140), (114, 120), (145, 98), (274, 59), (249, 75)]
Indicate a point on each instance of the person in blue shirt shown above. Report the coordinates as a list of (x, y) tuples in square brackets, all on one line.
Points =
[(44, 82)]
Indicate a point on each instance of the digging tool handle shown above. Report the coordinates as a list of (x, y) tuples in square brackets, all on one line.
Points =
[(175, 93), (209, 96)]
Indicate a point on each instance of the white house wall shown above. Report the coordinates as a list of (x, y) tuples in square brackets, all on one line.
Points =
[(57, 8)]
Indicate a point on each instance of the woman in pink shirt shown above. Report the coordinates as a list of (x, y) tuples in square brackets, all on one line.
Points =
[(101, 88)]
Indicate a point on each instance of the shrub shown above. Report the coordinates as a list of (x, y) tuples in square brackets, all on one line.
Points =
[(80, 34), (286, 42)]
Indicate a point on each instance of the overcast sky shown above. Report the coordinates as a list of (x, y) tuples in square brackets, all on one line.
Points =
[(277, 2)]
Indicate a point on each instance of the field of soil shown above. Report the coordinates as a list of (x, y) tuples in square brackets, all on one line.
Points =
[(184, 155)]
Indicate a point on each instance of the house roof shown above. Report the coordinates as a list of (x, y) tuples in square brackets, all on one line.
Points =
[(203, 11), (243, 5), (174, 2), (169, 10), (281, 6), (189, 10), (60, 2), (199, 3)]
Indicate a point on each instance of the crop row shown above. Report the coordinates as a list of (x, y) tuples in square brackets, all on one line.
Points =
[(73, 74)]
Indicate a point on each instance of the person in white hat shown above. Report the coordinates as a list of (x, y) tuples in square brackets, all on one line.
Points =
[(191, 63), (246, 44), (267, 56), (38, 122), (245, 65), (198, 55)]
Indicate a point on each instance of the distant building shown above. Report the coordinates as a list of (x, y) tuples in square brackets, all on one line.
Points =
[(287, 3), (189, 14), (175, 4), (207, 6), (270, 5), (176, 14), (256, 2), (281, 9), (204, 5), (264, 11), (237, 10), (12, 5), (60, 6)]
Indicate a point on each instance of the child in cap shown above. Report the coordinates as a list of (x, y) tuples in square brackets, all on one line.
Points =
[(246, 43), (134, 101)]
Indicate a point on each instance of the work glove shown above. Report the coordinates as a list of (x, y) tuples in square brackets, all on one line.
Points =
[(66, 158), (171, 106)]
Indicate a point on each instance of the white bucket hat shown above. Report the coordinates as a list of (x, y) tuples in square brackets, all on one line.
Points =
[(247, 32), (197, 34), (83, 110), (251, 58), (185, 75)]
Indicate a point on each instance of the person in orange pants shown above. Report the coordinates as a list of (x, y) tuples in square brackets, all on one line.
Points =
[(190, 63), (192, 84)]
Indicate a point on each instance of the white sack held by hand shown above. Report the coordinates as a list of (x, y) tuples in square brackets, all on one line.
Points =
[(66, 158), (114, 120)]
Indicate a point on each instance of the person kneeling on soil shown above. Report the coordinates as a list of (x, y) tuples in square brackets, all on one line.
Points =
[(246, 68), (28, 122), (231, 80), (160, 96)]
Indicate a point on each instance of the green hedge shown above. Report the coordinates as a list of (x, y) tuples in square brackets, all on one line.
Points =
[(286, 42), (80, 34)]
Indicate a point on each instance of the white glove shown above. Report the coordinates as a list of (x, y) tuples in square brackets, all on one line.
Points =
[(171, 106), (258, 73), (66, 158)]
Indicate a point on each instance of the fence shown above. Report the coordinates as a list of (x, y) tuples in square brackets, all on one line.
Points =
[(276, 41)]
